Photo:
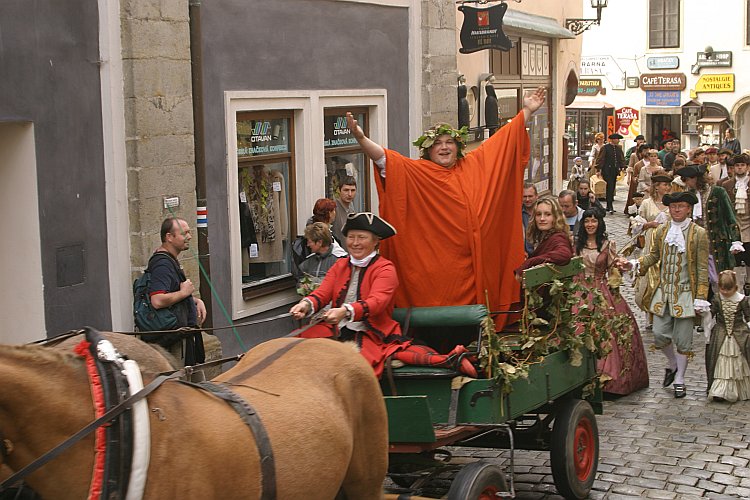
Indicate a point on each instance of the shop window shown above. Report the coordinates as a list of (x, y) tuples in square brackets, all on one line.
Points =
[(265, 191), (664, 24), (504, 64), (343, 156)]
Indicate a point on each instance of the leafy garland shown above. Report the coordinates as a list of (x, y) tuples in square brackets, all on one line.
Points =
[(426, 140), (563, 315)]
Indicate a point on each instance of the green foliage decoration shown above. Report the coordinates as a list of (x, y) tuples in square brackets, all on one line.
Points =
[(569, 315)]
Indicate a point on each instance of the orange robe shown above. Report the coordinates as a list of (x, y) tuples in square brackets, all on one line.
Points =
[(459, 230)]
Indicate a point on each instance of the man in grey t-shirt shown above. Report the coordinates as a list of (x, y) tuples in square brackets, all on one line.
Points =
[(344, 207)]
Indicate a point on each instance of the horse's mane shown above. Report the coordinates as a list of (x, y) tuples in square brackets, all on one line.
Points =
[(35, 353)]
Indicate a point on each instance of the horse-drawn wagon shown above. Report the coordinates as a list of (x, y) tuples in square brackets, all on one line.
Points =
[(551, 406)]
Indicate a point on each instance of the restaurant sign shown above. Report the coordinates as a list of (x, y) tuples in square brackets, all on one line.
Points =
[(627, 122), (483, 29), (663, 81)]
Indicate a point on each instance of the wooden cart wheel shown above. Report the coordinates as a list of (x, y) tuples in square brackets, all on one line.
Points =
[(574, 448), (478, 481)]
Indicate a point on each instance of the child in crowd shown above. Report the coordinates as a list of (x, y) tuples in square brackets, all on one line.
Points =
[(633, 209), (728, 345), (576, 174)]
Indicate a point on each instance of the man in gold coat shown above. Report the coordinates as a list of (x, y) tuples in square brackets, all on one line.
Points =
[(680, 247)]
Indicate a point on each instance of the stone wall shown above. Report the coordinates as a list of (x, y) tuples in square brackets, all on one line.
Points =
[(159, 123), (439, 71)]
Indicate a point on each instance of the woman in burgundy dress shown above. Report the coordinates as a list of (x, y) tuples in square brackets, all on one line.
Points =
[(626, 363)]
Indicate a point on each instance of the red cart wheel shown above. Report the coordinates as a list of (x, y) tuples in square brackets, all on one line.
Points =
[(478, 481), (574, 448)]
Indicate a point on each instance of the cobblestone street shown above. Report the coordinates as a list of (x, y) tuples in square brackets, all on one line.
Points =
[(651, 444)]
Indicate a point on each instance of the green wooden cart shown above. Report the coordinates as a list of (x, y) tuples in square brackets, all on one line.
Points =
[(432, 408)]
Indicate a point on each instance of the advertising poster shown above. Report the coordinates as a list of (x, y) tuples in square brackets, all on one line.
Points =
[(627, 122)]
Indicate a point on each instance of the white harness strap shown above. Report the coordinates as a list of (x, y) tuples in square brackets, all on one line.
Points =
[(141, 434)]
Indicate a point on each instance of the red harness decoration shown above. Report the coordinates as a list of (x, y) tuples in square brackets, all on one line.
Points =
[(100, 437)]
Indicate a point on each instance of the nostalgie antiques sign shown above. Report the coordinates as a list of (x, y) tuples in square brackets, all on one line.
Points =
[(483, 29), (715, 83), (663, 81)]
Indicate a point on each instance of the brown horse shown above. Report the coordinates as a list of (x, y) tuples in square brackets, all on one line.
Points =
[(319, 401)]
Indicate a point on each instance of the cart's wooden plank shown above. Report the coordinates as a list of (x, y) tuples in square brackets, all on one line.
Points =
[(544, 273)]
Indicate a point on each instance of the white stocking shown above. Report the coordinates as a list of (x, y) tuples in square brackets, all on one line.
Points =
[(669, 353), (682, 362)]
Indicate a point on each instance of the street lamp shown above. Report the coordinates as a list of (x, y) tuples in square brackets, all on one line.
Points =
[(578, 26)]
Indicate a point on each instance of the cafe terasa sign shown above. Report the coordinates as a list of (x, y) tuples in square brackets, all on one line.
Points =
[(663, 81)]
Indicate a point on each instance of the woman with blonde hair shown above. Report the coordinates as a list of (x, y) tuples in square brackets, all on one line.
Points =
[(549, 234), (650, 166), (598, 145)]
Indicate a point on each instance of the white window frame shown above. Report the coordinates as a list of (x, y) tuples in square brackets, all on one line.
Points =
[(307, 107)]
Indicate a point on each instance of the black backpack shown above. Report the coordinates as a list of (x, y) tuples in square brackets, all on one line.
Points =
[(148, 319)]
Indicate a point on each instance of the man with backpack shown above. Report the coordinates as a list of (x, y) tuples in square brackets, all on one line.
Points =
[(167, 303)]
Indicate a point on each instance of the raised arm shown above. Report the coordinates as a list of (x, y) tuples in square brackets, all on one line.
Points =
[(372, 149), (533, 101)]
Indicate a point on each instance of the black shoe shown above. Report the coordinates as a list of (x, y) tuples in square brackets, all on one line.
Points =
[(668, 377), (680, 391)]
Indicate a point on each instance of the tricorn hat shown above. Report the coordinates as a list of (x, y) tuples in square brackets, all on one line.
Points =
[(693, 170), (661, 177), (366, 221), (615, 136), (686, 196)]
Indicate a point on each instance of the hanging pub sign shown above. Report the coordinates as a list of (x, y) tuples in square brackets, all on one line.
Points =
[(483, 29)]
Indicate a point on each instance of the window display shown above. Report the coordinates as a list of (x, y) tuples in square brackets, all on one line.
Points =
[(344, 158), (538, 169), (264, 157)]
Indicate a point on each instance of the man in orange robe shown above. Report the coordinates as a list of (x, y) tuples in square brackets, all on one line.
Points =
[(460, 231)]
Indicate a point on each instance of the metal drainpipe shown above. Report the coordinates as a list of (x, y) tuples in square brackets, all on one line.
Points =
[(196, 65)]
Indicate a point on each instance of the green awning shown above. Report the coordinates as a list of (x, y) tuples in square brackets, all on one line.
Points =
[(531, 24)]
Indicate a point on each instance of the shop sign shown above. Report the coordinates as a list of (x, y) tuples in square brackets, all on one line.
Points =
[(605, 66), (663, 62), (663, 81), (589, 86), (261, 137), (627, 122), (336, 134), (720, 59), (633, 82), (483, 29), (662, 98), (610, 125), (715, 83)]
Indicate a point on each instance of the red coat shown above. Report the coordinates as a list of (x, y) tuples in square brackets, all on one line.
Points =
[(555, 249), (377, 286)]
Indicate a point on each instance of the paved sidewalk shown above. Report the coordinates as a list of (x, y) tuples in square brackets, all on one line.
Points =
[(651, 444)]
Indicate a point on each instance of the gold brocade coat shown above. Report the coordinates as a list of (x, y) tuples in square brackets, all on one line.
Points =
[(696, 259)]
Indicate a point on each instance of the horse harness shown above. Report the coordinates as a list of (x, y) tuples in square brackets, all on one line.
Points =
[(251, 418), (116, 417)]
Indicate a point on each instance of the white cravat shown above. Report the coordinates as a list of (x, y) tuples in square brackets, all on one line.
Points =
[(364, 261), (675, 236), (741, 196), (698, 207)]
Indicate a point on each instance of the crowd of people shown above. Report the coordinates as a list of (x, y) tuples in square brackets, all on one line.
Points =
[(688, 251)]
